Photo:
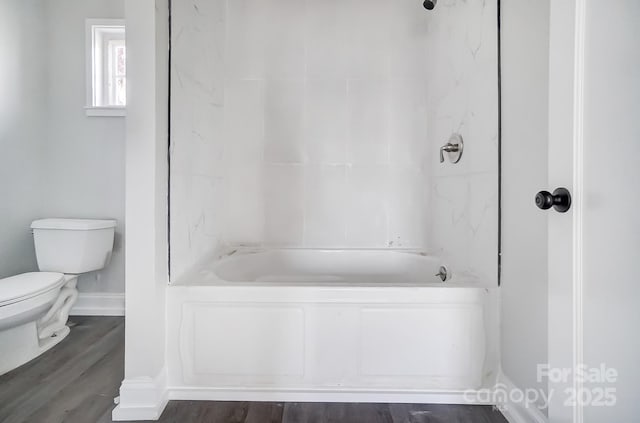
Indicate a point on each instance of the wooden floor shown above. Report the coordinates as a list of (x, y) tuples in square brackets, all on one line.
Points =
[(73, 382), (76, 382), (245, 412)]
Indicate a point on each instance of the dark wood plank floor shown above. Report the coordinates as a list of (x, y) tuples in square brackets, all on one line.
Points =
[(76, 382), (73, 382), (251, 412)]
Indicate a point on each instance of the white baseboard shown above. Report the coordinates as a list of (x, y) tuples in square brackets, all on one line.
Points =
[(141, 399), (99, 304), (321, 395), (517, 412)]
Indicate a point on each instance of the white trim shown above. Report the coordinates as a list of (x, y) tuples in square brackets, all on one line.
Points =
[(517, 413), (99, 304), (146, 398), (141, 398), (90, 71), (93, 111), (566, 117), (321, 395), (578, 190)]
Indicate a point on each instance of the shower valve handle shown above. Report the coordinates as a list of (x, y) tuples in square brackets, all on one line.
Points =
[(449, 148), (453, 147)]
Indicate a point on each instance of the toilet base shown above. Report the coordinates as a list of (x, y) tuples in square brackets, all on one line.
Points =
[(55, 320), (21, 344), (46, 327)]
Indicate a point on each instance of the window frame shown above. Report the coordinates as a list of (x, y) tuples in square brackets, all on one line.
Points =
[(99, 32)]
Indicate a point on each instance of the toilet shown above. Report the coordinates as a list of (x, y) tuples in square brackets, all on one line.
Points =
[(35, 306)]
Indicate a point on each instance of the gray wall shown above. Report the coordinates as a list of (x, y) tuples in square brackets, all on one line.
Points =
[(22, 125), (84, 156), (525, 39), (611, 231), (55, 161)]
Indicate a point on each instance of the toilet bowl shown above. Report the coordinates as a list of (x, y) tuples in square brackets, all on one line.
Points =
[(27, 296), (35, 306)]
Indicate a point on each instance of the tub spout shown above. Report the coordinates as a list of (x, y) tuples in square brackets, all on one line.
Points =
[(443, 273)]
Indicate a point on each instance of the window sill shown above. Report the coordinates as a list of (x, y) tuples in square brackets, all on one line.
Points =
[(92, 111)]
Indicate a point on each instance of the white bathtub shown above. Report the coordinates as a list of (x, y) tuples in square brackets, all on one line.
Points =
[(326, 267), (329, 325)]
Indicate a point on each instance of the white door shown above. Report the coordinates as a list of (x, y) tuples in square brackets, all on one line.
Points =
[(594, 248)]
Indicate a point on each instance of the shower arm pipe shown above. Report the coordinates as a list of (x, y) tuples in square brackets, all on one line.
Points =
[(429, 4)]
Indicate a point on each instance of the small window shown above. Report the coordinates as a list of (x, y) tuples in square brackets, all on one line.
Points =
[(106, 67)]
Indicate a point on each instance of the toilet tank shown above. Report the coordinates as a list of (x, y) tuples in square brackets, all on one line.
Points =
[(73, 246)]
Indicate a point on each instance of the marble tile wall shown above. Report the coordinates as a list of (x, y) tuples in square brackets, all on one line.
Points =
[(325, 122), (463, 98), (309, 123), (198, 174)]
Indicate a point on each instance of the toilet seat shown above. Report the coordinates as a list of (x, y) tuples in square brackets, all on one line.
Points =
[(27, 285)]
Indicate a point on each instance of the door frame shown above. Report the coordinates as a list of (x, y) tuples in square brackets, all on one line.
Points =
[(566, 160)]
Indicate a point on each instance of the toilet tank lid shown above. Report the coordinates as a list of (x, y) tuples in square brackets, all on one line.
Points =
[(73, 224)]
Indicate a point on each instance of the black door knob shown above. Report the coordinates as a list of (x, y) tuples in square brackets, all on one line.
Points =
[(560, 200)]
